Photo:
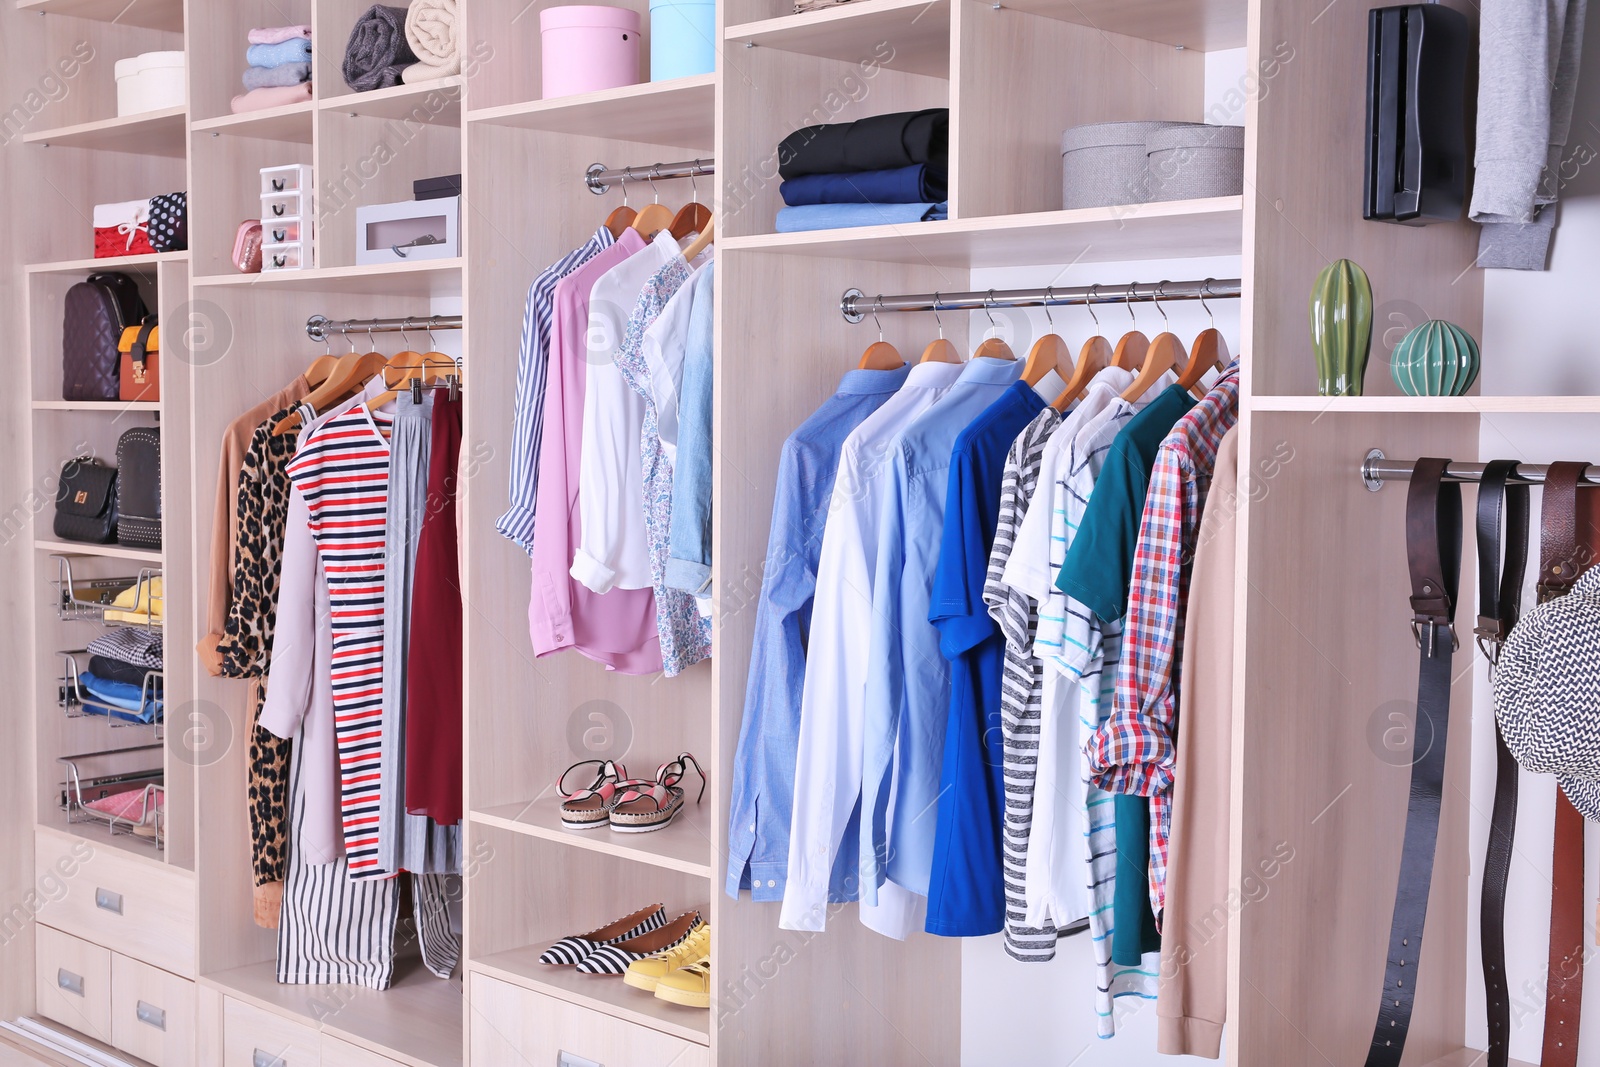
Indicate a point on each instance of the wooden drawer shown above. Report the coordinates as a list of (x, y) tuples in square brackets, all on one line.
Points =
[(512, 1025), (337, 1053), (255, 1038), (140, 907), (73, 982), (152, 1013)]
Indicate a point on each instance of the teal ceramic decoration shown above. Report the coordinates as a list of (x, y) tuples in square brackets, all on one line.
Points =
[(1341, 327), (1437, 358)]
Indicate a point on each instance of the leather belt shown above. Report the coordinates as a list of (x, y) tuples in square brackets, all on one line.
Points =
[(1433, 553), (1499, 603), (1559, 566)]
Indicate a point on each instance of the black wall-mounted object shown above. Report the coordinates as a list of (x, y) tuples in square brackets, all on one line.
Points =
[(1416, 114)]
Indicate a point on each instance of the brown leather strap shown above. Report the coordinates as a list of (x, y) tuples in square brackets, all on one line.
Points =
[(1560, 562), (1564, 997)]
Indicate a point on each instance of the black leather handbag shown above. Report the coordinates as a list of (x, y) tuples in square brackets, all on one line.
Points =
[(139, 487), (86, 502)]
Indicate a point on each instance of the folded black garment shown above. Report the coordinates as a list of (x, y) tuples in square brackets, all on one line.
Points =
[(882, 142), (377, 50), (116, 670)]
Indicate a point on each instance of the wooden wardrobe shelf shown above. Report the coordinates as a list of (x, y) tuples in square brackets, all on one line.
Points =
[(602, 993), (426, 277), (432, 102), (1206, 25), (155, 14), (122, 263), (292, 123), (149, 133), (683, 846), (1430, 405), (675, 113), (76, 548), (104, 407), (917, 31)]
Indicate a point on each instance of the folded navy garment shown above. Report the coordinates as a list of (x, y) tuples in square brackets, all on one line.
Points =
[(839, 216), (916, 184), (882, 142), (117, 670)]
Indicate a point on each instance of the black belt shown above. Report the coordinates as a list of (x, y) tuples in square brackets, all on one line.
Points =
[(1433, 553), (1499, 603)]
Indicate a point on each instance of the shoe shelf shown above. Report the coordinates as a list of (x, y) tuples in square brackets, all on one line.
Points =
[(682, 846), (149, 133), (607, 994)]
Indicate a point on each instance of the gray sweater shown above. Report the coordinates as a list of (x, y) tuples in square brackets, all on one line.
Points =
[(1528, 57)]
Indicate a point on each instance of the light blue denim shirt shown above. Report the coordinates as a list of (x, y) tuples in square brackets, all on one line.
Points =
[(908, 687), (762, 796), (689, 540)]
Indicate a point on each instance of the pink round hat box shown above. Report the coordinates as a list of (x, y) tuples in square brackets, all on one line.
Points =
[(587, 48)]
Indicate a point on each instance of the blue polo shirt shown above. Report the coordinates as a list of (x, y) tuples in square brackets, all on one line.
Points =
[(966, 894)]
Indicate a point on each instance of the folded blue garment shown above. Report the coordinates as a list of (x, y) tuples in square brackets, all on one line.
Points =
[(272, 77), (840, 216), (916, 184), (294, 50), (123, 698)]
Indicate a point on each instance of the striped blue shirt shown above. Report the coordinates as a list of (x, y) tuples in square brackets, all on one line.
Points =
[(527, 426)]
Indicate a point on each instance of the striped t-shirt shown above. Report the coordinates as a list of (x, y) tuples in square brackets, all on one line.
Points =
[(342, 468)]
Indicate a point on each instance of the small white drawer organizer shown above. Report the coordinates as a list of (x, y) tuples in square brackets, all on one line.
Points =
[(287, 206)]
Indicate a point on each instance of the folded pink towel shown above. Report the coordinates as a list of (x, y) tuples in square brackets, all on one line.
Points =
[(274, 96), (279, 34)]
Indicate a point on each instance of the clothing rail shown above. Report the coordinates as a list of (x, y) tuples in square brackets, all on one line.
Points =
[(320, 327), (1376, 469), (856, 305), (599, 174)]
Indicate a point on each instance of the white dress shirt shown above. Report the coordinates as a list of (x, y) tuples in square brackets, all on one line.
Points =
[(614, 548), (832, 705)]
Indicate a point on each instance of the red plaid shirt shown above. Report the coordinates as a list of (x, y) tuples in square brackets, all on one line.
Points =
[(1134, 750)]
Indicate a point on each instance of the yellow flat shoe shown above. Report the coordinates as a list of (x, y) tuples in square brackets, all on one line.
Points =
[(689, 986), (645, 973)]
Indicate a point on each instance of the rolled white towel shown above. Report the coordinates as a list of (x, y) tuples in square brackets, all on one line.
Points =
[(431, 32)]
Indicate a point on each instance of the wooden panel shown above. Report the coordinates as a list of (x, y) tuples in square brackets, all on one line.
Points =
[(1206, 25), (512, 1025), (681, 846), (337, 1053), (1021, 79), (916, 33), (676, 113), (1322, 750), (74, 982), (159, 14), (249, 1031), (217, 50), (364, 160), (292, 122), (153, 133), (157, 918), (1305, 166), (617, 999), (152, 1013)]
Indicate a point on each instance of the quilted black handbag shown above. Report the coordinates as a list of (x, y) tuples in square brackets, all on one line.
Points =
[(97, 311), (139, 487), (86, 502)]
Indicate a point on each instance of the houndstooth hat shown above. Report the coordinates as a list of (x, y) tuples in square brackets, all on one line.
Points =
[(1547, 692)]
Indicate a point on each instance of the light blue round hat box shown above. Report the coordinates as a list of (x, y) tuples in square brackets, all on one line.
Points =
[(682, 36)]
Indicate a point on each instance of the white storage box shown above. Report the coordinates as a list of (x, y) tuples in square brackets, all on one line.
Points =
[(409, 231), (284, 257), (293, 178), (150, 81)]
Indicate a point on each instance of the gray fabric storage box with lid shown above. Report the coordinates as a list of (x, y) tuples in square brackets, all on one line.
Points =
[(1192, 162), (1104, 163)]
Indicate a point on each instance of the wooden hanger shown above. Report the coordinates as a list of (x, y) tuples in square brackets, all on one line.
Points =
[(992, 347), (880, 354), (939, 350), (1163, 354), (694, 216), (352, 372), (1093, 357), (654, 218), (428, 368), (1049, 353), (620, 219), (1210, 349), (320, 368), (701, 243)]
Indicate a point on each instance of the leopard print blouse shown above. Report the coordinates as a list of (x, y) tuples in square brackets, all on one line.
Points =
[(246, 644)]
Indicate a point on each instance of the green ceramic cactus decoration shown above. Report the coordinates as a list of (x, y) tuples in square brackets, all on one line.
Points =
[(1341, 327), (1437, 358)]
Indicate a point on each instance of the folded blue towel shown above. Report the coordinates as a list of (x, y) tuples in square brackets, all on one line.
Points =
[(124, 699), (840, 216), (294, 50), (272, 77), (916, 184)]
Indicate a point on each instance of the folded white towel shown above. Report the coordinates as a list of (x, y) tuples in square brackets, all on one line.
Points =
[(431, 32)]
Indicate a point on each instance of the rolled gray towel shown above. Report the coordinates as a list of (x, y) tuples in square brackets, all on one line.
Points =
[(272, 77), (377, 52)]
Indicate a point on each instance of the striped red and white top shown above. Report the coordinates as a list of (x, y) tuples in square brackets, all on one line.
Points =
[(342, 468)]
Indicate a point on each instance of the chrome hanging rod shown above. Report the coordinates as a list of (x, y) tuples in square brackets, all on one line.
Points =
[(320, 327), (1376, 469), (599, 174), (856, 305)]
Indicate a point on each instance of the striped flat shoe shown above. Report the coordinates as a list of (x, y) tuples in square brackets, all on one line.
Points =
[(588, 807), (614, 958), (645, 806), (571, 951)]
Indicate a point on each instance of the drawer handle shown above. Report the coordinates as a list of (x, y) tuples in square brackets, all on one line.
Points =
[(72, 983), (260, 1058), (278, 184), (568, 1059), (278, 235), (278, 261), (151, 1015), (106, 900), (277, 209)]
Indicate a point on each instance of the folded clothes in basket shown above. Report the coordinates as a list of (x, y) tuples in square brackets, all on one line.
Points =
[(128, 805), (136, 645), (120, 670), (140, 603), (123, 701)]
